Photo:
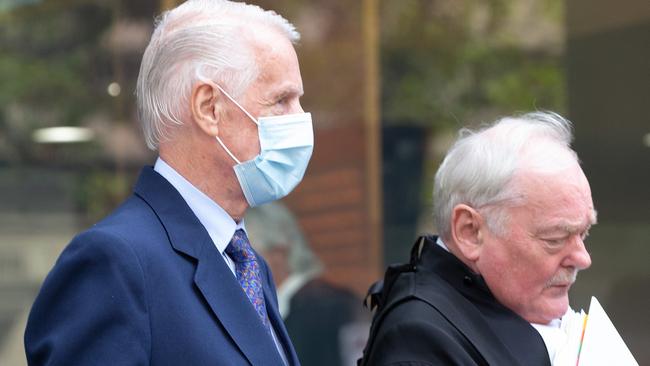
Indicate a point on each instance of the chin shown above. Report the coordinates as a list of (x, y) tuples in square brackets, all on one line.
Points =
[(548, 309), (556, 308)]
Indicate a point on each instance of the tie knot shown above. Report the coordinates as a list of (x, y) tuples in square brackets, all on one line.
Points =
[(239, 248)]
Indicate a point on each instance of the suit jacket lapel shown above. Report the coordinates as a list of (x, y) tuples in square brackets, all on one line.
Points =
[(280, 330), (234, 310), (213, 277)]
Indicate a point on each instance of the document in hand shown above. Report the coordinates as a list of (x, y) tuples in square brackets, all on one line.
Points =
[(592, 340), (601, 344)]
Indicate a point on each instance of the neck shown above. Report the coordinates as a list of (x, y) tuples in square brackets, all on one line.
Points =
[(452, 247), (209, 173)]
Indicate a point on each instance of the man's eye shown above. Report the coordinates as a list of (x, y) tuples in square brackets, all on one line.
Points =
[(555, 241)]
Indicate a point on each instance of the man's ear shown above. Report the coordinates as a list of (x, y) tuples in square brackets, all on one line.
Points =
[(466, 231), (206, 108)]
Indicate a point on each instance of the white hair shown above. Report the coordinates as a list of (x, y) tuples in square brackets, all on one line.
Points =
[(273, 226), (199, 40), (479, 167)]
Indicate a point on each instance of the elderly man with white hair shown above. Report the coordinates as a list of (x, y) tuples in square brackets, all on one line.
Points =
[(170, 277), (513, 208)]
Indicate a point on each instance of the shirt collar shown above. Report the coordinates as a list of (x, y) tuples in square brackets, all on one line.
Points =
[(219, 225), (441, 244)]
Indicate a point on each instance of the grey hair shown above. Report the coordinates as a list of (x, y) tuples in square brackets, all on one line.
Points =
[(271, 226), (199, 40), (480, 165)]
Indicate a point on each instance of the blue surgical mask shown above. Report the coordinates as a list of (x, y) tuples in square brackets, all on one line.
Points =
[(286, 144)]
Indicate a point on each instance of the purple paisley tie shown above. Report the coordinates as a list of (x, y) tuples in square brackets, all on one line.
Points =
[(248, 273)]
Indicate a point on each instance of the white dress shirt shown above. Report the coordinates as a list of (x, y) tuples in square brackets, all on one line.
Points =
[(220, 226), (553, 335)]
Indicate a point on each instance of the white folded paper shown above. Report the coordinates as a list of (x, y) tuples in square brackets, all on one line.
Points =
[(592, 340)]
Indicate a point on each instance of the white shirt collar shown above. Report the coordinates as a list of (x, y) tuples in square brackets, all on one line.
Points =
[(219, 225), (441, 244)]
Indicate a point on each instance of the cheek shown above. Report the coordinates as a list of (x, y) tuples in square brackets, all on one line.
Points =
[(249, 140), (515, 268), (530, 275), (497, 269)]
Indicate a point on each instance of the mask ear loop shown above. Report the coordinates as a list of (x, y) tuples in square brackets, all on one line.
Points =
[(243, 110), (237, 104), (228, 151)]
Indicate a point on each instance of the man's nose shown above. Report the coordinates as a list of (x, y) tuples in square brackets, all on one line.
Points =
[(578, 257), (294, 106), (298, 108)]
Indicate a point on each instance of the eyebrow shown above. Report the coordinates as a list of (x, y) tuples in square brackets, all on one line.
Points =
[(569, 227), (563, 228), (287, 92), (286, 89)]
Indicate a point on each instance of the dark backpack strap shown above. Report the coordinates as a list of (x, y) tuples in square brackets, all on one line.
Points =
[(372, 299), (378, 292), (376, 325), (381, 299)]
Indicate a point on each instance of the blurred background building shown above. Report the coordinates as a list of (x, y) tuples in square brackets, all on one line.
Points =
[(388, 83)]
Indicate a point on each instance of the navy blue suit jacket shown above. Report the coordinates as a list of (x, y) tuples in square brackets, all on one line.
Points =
[(147, 286)]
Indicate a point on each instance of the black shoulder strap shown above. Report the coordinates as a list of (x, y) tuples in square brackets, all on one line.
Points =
[(379, 291), (381, 299)]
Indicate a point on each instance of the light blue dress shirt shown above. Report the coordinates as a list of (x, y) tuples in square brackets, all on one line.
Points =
[(219, 225)]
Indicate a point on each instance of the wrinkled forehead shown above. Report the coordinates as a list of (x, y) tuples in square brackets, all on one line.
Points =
[(565, 176), (266, 41), (564, 192)]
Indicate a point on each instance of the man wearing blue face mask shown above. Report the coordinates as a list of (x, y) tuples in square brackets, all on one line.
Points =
[(170, 278), (286, 144)]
